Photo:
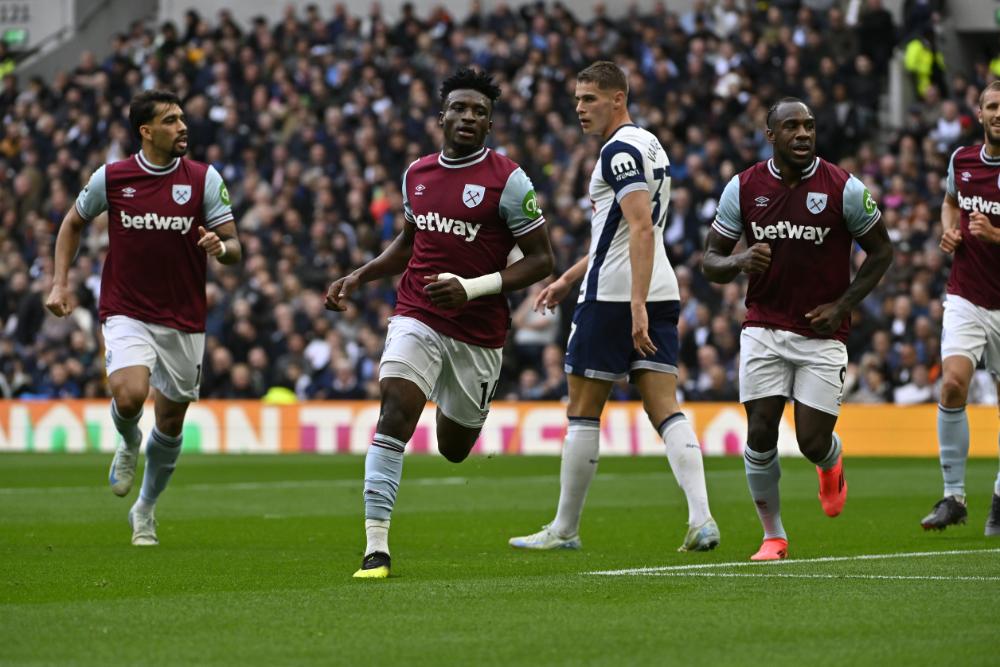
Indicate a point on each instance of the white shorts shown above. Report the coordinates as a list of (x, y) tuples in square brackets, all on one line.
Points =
[(781, 363), (460, 378), (173, 357), (972, 332)]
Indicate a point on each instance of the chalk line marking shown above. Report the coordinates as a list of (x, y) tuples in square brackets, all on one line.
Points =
[(671, 569)]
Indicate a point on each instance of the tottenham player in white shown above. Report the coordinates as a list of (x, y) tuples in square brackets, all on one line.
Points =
[(625, 323)]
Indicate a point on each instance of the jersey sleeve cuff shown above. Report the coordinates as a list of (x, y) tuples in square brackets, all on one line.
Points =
[(630, 188), (871, 223), (219, 221), (728, 233), (86, 218), (531, 226)]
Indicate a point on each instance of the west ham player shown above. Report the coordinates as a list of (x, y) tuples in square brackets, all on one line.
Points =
[(970, 216), (625, 323), (801, 216), (466, 208), (166, 214)]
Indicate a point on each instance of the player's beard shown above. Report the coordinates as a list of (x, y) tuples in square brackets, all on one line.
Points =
[(993, 137)]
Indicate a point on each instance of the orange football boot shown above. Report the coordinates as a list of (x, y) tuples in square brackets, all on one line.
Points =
[(774, 548), (833, 488)]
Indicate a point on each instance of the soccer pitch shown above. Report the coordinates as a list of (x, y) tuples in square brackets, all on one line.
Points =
[(257, 553)]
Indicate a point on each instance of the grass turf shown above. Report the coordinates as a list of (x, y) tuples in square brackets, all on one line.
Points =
[(256, 555)]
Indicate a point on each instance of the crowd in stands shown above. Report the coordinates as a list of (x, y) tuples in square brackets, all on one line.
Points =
[(311, 121)]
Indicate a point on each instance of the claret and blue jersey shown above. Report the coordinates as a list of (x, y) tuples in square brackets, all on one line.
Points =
[(974, 182), (810, 228)]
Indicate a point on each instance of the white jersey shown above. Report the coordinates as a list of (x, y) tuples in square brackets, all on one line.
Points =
[(631, 160)]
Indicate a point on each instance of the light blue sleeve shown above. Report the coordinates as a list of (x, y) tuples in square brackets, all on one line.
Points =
[(860, 210), (950, 186), (519, 204), (407, 209), (93, 199), (728, 219), (218, 208)]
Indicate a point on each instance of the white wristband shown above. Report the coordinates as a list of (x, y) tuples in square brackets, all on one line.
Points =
[(223, 253), (476, 287)]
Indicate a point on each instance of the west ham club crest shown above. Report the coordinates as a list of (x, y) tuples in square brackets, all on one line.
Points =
[(816, 202), (473, 195), (181, 193)]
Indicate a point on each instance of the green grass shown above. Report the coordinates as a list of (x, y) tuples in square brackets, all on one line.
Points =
[(256, 555)]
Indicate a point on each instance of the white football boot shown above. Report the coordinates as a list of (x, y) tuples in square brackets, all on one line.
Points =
[(545, 540)]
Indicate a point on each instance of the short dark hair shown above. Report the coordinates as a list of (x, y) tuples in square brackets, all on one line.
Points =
[(142, 109), (774, 109), (994, 85), (467, 78), (605, 75)]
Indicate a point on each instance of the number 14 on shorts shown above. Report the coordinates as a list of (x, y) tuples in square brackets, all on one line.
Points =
[(486, 400)]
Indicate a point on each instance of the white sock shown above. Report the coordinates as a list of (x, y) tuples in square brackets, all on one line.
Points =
[(161, 458), (684, 455), (996, 486), (580, 454), (763, 474), (953, 444), (377, 533), (128, 427)]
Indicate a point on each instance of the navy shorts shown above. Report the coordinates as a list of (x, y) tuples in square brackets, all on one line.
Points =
[(600, 341)]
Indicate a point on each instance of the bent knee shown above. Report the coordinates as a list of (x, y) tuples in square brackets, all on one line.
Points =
[(953, 392), (762, 436), (454, 456)]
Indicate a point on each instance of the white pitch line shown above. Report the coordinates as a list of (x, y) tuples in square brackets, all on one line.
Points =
[(793, 561), (783, 575)]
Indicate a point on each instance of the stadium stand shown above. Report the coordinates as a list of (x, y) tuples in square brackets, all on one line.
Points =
[(311, 121)]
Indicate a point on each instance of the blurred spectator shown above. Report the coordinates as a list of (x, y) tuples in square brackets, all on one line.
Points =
[(313, 119)]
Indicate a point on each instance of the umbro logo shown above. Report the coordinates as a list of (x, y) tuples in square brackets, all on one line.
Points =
[(128, 193), (966, 176), (762, 200), (419, 190)]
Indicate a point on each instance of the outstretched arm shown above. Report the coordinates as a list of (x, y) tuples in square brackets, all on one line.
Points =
[(391, 261)]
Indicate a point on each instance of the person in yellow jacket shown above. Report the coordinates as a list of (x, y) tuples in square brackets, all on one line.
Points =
[(924, 62)]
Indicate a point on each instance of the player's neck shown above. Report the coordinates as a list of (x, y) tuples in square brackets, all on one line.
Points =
[(991, 149), (616, 124), (790, 174), (155, 157), (460, 152)]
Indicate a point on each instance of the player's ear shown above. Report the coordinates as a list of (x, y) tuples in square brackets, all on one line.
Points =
[(441, 119)]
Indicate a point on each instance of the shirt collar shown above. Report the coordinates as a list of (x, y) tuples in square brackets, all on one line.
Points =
[(465, 161), (806, 173)]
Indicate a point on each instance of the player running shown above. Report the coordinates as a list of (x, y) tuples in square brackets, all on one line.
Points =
[(625, 323), (801, 216), (165, 214), (970, 216), (466, 208)]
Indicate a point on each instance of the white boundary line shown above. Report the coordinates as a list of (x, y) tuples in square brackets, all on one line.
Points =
[(826, 559), (784, 575)]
